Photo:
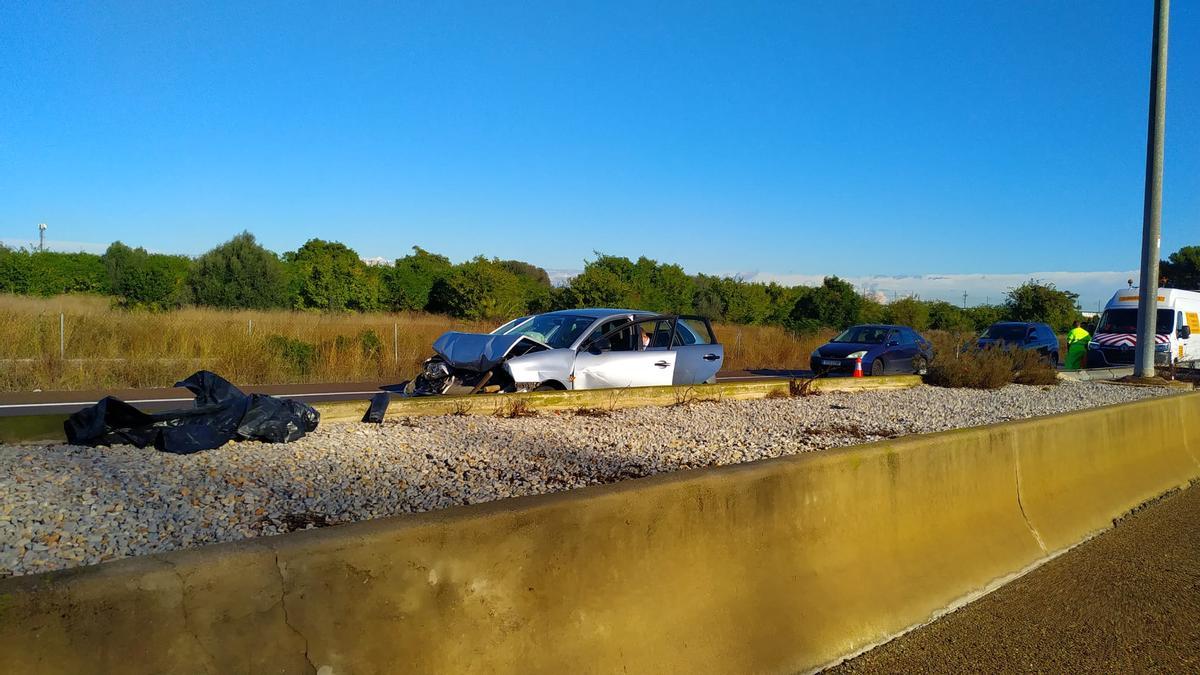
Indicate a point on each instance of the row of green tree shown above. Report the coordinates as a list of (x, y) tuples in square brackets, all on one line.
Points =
[(329, 276)]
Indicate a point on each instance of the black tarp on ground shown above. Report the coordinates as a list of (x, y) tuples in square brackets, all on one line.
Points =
[(378, 408), (221, 413)]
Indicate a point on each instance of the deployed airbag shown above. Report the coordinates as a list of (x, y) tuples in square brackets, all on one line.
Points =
[(221, 413)]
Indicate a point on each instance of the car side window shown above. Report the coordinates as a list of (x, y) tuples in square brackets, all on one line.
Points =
[(659, 332), (691, 332), (636, 336), (623, 340)]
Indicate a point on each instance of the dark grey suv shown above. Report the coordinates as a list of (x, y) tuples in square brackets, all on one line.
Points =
[(1022, 335)]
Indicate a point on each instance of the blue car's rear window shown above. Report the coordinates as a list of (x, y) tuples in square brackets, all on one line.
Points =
[(1009, 333)]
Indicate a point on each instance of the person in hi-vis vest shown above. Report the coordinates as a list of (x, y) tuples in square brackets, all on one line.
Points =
[(1077, 342)]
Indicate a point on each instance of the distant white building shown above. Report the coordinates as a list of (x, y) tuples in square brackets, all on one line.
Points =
[(377, 261)]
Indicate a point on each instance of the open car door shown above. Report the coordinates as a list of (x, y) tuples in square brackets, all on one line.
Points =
[(634, 354), (698, 356)]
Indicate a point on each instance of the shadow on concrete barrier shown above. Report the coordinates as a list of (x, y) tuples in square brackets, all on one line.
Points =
[(774, 566)]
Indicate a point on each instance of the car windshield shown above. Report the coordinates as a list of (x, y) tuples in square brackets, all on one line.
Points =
[(1005, 332), (871, 335), (508, 326), (1125, 321), (553, 330)]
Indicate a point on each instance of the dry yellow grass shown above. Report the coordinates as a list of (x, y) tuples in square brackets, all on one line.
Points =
[(767, 347), (112, 348)]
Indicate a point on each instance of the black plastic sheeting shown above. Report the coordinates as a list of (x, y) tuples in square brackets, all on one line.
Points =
[(221, 413), (378, 408)]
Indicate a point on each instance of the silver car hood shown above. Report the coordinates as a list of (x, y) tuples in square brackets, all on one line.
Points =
[(477, 352)]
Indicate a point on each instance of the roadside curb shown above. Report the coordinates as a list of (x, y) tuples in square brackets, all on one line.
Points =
[(1095, 374), (49, 428), (603, 399)]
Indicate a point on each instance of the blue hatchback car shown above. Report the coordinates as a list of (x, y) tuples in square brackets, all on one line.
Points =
[(884, 350), (1022, 335)]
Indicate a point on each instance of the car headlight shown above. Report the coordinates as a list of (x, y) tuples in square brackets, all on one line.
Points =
[(857, 355), (1162, 348), (1093, 345), (436, 370)]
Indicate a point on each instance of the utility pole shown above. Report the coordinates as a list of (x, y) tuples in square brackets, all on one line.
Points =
[(964, 299), (42, 237), (1143, 361)]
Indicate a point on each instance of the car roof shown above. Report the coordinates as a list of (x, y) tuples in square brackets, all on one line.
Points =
[(880, 325), (1018, 323), (594, 312)]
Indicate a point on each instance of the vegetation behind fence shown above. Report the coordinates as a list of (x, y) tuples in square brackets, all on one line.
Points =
[(105, 347)]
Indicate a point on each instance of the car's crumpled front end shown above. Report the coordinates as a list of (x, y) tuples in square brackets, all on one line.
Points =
[(470, 363)]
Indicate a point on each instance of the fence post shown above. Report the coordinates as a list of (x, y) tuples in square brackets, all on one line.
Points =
[(396, 342), (62, 337), (250, 327)]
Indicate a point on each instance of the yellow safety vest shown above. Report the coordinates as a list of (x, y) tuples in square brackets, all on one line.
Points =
[(1077, 335)]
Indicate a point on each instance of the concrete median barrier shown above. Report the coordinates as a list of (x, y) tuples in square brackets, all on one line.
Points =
[(774, 566), (1074, 484)]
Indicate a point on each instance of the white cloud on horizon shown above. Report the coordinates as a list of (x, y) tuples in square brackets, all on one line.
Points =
[(560, 277), (1092, 287)]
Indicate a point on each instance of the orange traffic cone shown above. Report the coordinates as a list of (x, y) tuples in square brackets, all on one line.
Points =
[(858, 367)]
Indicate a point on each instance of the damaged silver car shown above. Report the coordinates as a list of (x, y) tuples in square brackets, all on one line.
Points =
[(573, 349)]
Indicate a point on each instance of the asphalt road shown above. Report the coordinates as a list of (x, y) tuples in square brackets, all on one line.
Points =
[(165, 398), (1126, 601)]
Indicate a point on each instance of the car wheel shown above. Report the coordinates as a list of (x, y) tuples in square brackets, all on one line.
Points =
[(549, 386), (922, 366), (1053, 359), (877, 367)]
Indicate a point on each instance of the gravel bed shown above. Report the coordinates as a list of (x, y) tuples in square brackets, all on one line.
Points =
[(63, 506)]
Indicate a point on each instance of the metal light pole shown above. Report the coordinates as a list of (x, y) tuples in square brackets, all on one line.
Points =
[(1143, 360), (42, 237)]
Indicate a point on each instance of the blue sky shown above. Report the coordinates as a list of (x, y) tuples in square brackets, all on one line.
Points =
[(782, 140)]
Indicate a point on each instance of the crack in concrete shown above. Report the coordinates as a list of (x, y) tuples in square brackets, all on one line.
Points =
[(187, 618), (1028, 523), (286, 619)]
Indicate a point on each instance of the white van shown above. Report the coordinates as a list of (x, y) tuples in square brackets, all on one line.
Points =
[(1176, 333)]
